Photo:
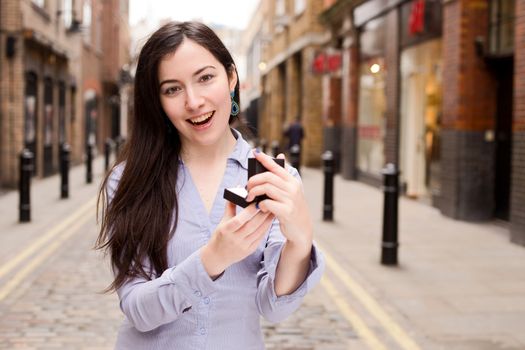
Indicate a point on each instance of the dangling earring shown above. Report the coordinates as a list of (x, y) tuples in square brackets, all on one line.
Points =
[(235, 106)]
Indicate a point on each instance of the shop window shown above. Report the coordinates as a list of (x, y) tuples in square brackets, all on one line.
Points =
[(501, 27), (372, 122), (30, 109), (420, 118), (61, 112), (48, 127), (372, 98), (48, 112)]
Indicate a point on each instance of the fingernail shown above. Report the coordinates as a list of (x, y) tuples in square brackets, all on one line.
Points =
[(257, 150), (257, 205)]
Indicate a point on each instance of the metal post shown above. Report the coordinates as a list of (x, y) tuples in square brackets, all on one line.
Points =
[(391, 189), (275, 148), (328, 202), (89, 163), (64, 171), (26, 169), (295, 157), (107, 153)]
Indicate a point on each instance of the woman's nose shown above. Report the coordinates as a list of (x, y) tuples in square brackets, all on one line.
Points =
[(193, 100)]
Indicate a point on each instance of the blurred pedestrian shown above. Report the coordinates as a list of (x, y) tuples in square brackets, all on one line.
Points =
[(295, 133), (193, 271)]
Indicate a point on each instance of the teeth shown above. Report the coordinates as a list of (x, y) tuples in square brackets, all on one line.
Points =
[(201, 118)]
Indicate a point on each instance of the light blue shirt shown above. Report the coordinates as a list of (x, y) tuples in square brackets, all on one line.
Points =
[(184, 308)]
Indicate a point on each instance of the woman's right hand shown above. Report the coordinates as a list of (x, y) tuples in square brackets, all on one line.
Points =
[(236, 237)]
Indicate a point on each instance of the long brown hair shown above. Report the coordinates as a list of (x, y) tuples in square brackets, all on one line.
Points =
[(136, 224)]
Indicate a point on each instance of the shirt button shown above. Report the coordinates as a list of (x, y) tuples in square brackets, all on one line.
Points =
[(197, 293), (203, 331), (206, 300)]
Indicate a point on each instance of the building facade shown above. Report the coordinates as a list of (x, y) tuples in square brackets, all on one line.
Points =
[(51, 57), (254, 38), (290, 87), (435, 87)]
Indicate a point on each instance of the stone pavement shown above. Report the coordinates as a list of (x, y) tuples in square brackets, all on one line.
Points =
[(458, 285)]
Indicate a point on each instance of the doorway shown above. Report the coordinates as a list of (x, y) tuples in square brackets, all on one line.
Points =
[(504, 73), (420, 113)]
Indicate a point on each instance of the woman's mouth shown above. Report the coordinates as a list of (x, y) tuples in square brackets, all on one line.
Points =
[(202, 119)]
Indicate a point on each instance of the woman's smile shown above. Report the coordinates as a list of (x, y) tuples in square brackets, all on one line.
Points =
[(202, 119)]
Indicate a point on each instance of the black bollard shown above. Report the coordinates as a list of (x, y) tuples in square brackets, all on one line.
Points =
[(26, 169), (107, 152), (275, 148), (295, 157), (64, 171), (328, 203), (391, 190), (89, 163)]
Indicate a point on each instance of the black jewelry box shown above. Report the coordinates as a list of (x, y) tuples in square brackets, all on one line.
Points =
[(238, 195)]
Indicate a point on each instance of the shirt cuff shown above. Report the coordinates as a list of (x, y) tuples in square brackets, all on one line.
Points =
[(272, 255), (193, 276)]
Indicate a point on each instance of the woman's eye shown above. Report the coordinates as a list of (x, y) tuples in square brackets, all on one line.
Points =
[(171, 90), (206, 77)]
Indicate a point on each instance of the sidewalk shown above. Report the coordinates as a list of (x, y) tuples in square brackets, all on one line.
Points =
[(46, 207), (458, 285)]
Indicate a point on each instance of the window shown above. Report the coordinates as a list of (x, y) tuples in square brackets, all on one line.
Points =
[(40, 3), (30, 112), (86, 21), (67, 12), (300, 6), (280, 9), (501, 26)]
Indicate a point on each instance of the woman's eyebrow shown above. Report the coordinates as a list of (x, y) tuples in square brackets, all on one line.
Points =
[(199, 71)]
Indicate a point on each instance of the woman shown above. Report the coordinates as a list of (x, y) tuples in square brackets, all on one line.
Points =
[(192, 271)]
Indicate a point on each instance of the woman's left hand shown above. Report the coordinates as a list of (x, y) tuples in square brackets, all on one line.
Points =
[(286, 201)]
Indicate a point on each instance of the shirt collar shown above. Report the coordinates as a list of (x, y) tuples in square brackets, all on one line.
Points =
[(240, 153), (242, 149)]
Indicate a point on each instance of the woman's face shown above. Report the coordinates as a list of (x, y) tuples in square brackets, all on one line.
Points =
[(195, 94)]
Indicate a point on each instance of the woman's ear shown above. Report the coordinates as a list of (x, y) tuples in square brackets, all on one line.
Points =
[(232, 77)]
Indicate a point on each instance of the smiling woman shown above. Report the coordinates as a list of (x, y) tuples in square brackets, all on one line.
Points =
[(192, 271)]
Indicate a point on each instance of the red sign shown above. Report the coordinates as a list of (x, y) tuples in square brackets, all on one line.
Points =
[(326, 63), (416, 21)]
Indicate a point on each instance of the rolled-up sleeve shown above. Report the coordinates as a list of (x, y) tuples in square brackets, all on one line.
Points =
[(276, 308), (150, 304)]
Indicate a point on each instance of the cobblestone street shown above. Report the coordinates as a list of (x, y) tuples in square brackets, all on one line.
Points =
[(61, 306)]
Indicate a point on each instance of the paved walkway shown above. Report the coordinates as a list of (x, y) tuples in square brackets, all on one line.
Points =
[(458, 285)]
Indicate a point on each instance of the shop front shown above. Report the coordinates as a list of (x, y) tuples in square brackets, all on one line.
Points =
[(421, 67)]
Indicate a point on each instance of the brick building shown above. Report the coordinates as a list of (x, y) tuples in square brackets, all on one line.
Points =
[(437, 88), (51, 54), (290, 88)]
